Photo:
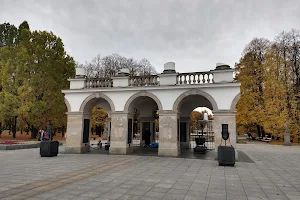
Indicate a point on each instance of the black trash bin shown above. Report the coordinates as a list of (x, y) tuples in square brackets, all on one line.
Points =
[(226, 155), (49, 148)]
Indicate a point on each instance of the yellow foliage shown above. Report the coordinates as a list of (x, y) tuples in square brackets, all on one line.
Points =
[(99, 116), (274, 97)]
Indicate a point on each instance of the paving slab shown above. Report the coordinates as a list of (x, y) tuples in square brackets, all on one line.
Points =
[(273, 172)]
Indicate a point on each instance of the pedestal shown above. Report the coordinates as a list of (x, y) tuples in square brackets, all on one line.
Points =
[(226, 155), (224, 117), (49, 148)]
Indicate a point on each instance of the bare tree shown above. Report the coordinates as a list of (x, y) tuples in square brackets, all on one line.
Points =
[(110, 65), (145, 68), (97, 66)]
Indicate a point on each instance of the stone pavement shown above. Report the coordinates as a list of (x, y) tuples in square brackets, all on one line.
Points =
[(274, 175)]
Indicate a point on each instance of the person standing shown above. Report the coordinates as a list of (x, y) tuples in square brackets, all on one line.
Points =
[(41, 135)]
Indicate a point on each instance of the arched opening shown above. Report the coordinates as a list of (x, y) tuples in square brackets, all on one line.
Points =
[(191, 123), (96, 123), (201, 126), (143, 118)]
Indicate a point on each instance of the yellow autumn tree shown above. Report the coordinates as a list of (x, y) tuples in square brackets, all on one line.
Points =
[(249, 70), (99, 117), (274, 94), (194, 117)]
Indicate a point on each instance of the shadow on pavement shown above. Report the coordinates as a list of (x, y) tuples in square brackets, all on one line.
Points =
[(185, 153)]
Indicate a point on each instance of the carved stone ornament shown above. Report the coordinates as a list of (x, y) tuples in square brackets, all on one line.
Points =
[(119, 128), (118, 122), (167, 122), (168, 129)]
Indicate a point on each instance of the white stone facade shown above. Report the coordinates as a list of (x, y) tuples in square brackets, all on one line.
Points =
[(173, 97)]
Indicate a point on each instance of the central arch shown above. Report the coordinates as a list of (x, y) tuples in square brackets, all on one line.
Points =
[(185, 104), (142, 112), (178, 101), (142, 94)]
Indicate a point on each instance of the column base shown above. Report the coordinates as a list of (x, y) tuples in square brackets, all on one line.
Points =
[(120, 150), (169, 152), (184, 145), (77, 150)]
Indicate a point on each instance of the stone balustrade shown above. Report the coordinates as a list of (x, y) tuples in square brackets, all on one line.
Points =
[(152, 80), (194, 78), (169, 77), (98, 82), (139, 81)]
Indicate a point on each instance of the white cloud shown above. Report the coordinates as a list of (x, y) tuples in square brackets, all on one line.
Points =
[(195, 34)]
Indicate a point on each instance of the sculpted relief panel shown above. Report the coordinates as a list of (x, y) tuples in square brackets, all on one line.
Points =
[(168, 129), (119, 128)]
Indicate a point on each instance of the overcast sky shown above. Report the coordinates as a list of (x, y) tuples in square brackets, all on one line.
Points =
[(193, 34)]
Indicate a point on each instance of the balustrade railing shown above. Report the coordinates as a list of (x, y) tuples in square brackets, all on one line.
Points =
[(153, 80), (99, 82), (194, 78), (139, 81)]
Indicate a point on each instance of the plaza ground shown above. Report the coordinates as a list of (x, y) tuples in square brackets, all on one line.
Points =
[(274, 174)]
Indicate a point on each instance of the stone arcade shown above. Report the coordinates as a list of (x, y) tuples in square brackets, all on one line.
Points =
[(174, 95)]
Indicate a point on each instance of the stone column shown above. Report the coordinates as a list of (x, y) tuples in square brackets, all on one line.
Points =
[(119, 132), (106, 132), (168, 143), (74, 135), (188, 134), (225, 117), (130, 116), (185, 145)]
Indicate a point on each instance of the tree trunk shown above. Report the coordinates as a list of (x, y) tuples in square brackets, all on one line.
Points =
[(0, 129), (262, 131), (14, 127), (258, 130), (63, 131), (34, 132), (10, 127)]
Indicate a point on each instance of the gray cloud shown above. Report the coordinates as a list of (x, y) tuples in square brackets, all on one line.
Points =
[(194, 34)]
